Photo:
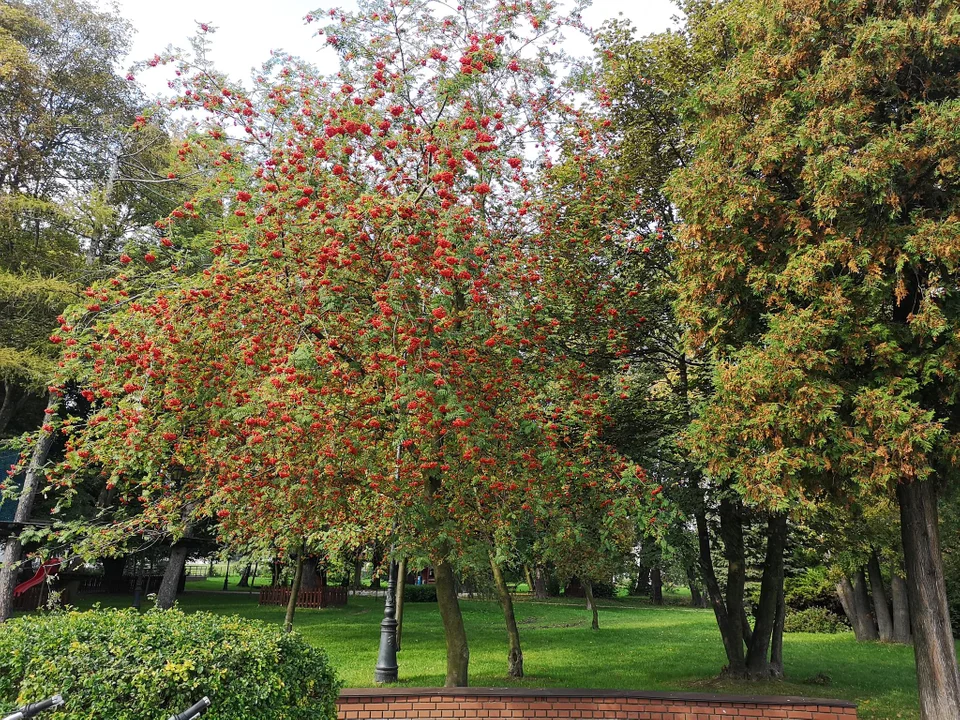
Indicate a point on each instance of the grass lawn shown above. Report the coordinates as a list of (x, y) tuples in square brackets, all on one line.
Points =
[(638, 647)]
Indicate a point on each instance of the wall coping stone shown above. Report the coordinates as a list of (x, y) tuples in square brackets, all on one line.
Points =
[(388, 691)]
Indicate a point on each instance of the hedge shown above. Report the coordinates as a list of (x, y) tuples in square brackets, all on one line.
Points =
[(814, 620), (419, 593), (123, 665)]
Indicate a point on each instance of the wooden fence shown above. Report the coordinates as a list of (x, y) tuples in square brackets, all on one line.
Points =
[(320, 598), (31, 599)]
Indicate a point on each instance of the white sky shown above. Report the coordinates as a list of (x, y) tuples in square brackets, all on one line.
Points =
[(248, 31)]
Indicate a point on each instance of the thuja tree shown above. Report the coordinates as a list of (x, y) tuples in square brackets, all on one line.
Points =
[(370, 330), (820, 253)]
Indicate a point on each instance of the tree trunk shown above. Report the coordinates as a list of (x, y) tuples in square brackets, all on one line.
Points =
[(294, 592), (245, 576), (938, 679), (458, 651), (861, 601), (454, 632), (377, 561), (167, 595), (591, 603), (642, 585), (880, 606), (13, 549), (401, 584), (539, 583), (9, 403), (776, 642), (113, 581), (529, 577), (515, 654), (845, 593), (771, 588), (656, 586), (731, 532), (696, 598), (901, 609), (309, 581), (745, 627), (357, 572)]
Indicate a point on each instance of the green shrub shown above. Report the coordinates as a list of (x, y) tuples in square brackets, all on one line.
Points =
[(602, 590), (811, 588), (553, 585), (419, 593), (814, 620), (123, 665)]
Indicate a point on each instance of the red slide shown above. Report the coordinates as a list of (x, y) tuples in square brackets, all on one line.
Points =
[(50, 567)]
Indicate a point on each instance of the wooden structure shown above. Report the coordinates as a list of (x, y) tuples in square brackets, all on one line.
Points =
[(31, 599), (319, 598)]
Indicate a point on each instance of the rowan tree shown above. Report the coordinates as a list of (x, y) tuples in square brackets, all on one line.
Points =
[(370, 333)]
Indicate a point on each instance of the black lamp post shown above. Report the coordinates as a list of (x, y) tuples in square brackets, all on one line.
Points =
[(386, 670)]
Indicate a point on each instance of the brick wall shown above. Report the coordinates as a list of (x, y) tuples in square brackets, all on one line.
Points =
[(512, 704)]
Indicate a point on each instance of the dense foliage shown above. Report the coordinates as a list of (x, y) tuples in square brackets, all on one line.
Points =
[(814, 620), (419, 593), (122, 665)]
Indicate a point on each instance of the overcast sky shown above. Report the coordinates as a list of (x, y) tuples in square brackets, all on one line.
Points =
[(247, 31)]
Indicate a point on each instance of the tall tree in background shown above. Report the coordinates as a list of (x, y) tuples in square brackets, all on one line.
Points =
[(629, 329), (62, 107), (821, 254)]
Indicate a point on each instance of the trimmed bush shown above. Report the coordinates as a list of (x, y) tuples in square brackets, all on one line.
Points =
[(419, 593), (812, 588), (123, 665), (814, 620), (602, 590)]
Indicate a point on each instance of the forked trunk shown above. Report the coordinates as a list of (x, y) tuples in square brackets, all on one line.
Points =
[(938, 679), (514, 654), (591, 603), (167, 594), (880, 605), (730, 632), (901, 609), (294, 594)]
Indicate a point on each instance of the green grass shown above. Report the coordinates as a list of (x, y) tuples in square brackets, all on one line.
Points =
[(638, 647), (216, 583)]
